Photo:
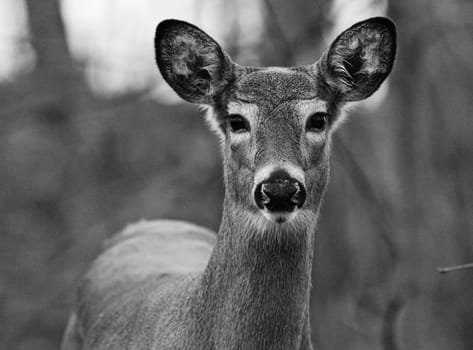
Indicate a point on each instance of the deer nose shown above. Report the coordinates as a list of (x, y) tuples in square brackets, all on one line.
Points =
[(280, 193)]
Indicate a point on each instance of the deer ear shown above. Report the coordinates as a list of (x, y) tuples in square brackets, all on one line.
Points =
[(191, 62), (360, 59)]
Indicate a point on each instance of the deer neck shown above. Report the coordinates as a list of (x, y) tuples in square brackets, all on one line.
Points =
[(257, 284)]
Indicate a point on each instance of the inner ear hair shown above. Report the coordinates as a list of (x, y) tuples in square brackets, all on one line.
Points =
[(360, 58), (195, 60), (190, 61)]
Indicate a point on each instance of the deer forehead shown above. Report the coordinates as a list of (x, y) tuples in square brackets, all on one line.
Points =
[(262, 94), (274, 85)]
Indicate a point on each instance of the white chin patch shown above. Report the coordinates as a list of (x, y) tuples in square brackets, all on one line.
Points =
[(279, 218)]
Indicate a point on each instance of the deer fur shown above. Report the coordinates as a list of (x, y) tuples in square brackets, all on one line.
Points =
[(172, 285)]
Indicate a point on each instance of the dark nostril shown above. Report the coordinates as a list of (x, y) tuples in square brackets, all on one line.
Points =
[(295, 197), (261, 198), (280, 194), (299, 197)]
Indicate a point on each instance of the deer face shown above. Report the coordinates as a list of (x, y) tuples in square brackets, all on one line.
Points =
[(275, 134), (275, 124)]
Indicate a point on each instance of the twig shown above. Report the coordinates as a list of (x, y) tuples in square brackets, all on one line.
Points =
[(454, 268)]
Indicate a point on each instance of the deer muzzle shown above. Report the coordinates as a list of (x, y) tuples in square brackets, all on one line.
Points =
[(280, 193)]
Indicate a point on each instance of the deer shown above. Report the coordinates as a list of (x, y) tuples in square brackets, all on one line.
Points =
[(167, 284)]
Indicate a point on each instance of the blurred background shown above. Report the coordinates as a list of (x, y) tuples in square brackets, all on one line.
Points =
[(91, 139)]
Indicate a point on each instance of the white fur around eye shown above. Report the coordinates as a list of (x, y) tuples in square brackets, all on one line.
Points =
[(316, 137), (238, 137), (305, 109), (248, 111)]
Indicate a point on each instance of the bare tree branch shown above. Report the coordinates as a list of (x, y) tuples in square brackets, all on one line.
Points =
[(455, 268)]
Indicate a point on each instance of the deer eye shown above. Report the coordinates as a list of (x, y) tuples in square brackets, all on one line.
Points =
[(237, 123), (317, 122)]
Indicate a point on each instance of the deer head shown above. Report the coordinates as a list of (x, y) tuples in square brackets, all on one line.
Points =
[(275, 124)]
